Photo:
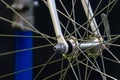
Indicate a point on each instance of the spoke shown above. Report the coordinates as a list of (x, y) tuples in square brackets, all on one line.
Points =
[(115, 37), (103, 76), (111, 44), (68, 22), (79, 72), (54, 74), (35, 67), (37, 37), (110, 9), (73, 12), (66, 27), (111, 53), (97, 28), (105, 7), (64, 70), (31, 28), (97, 70), (98, 6), (86, 71), (87, 58), (16, 51), (12, 22), (7, 20), (95, 16), (62, 66), (73, 15), (44, 66), (86, 35), (80, 26), (66, 31), (73, 70), (70, 17), (90, 16), (64, 7), (103, 64), (89, 73), (114, 61), (91, 19)]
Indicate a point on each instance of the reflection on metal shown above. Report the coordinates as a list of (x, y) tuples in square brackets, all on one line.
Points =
[(56, 24), (91, 18)]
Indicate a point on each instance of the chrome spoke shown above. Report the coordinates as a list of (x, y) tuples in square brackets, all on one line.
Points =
[(73, 71), (84, 52)]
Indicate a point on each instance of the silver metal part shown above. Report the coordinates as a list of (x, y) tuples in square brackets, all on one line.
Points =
[(90, 44), (56, 24), (60, 48), (90, 16), (92, 47), (73, 45)]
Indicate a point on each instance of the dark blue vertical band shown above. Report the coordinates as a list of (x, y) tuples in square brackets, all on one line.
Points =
[(23, 60)]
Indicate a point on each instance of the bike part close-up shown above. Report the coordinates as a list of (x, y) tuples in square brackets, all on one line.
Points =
[(59, 40)]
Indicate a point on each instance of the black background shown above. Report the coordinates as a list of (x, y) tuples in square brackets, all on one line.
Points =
[(43, 23)]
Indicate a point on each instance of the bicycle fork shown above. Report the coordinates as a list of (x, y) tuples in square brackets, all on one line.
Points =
[(63, 46)]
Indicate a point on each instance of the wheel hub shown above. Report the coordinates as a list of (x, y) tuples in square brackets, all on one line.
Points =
[(93, 45), (73, 48)]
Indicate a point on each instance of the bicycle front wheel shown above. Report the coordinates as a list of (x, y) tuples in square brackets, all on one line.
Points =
[(91, 51)]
